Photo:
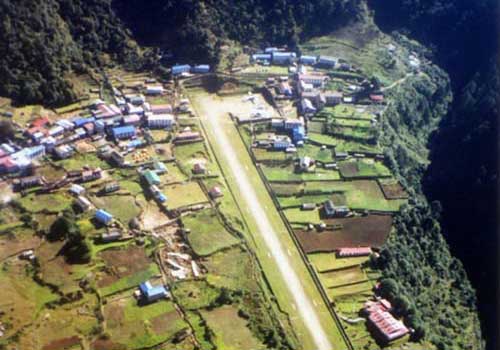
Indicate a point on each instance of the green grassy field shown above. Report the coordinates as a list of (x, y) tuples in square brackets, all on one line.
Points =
[(193, 295), (316, 153), (288, 174), (230, 330), (223, 272), (184, 194), (54, 202), (130, 281), (347, 111), (78, 161), (270, 70), (140, 327), (265, 155), (337, 198), (342, 145), (342, 277), (21, 296), (363, 168), (123, 208), (353, 289), (207, 235), (296, 215), (359, 194), (328, 261)]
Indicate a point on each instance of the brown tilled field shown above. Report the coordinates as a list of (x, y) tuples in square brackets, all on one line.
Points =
[(371, 230), (123, 262), (393, 190), (349, 169), (65, 343)]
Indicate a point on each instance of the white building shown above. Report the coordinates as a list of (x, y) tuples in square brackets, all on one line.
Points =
[(155, 121), (155, 90), (315, 80)]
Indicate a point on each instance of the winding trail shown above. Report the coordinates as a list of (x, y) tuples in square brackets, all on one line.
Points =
[(305, 307)]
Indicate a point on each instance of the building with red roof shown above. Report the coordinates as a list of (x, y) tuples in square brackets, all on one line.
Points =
[(356, 251), (7, 165), (382, 322), (40, 122), (378, 98)]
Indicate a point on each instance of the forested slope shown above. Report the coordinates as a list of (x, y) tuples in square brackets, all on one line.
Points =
[(42, 41), (197, 29), (463, 172)]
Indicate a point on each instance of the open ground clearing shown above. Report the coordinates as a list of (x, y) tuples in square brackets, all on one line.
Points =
[(125, 268), (184, 194), (223, 272), (207, 234), (140, 327), (230, 330), (329, 261)]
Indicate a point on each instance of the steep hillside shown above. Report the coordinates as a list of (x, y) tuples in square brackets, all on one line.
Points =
[(428, 286), (463, 172), (198, 29), (42, 41)]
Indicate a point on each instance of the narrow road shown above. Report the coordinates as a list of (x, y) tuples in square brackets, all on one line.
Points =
[(304, 305)]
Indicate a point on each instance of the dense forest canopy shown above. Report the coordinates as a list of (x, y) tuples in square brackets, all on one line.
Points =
[(197, 29), (461, 32), (464, 150), (42, 41)]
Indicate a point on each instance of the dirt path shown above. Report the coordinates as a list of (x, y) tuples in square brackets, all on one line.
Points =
[(215, 120), (400, 81)]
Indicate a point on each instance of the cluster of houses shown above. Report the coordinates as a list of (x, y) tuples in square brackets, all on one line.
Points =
[(152, 179), (276, 56), (309, 87), (44, 137), (14, 159)]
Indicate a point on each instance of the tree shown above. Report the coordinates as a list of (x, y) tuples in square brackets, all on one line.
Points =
[(6, 130)]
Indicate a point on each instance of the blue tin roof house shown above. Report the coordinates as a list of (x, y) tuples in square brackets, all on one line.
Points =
[(298, 134), (308, 59), (261, 57), (103, 217), (123, 132), (283, 57), (150, 293), (201, 68), (181, 68)]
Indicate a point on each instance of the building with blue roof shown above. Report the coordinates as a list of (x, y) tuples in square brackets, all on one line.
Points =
[(135, 144), (271, 49), (160, 167), (103, 217), (161, 197), (79, 122), (152, 293), (181, 68), (123, 132), (281, 143), (262, 57), (283, 57), (327, 61), (308, 60), (34, 152), (298, 134), (99, 126), (201, 68)]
